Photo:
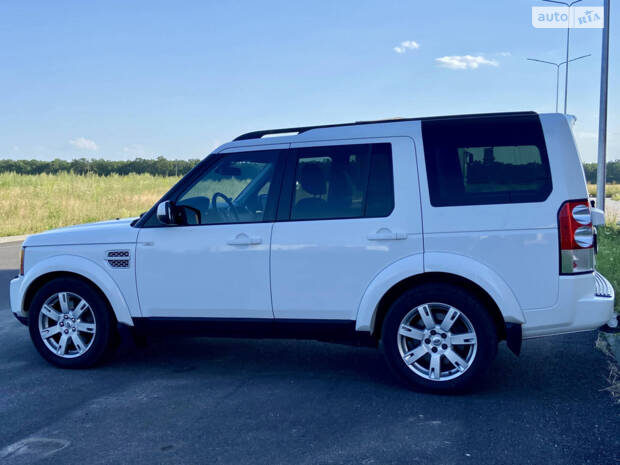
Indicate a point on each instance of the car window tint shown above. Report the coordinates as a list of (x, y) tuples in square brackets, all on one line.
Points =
[(476, 161), (344, 181)]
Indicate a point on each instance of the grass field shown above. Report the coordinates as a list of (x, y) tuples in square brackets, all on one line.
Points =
[(611, 190), (34, 203), (608, 258)]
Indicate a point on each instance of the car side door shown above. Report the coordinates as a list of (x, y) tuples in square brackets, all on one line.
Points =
[(348, 210), (216, 264)]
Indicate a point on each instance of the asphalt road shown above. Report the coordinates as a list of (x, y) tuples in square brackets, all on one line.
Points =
[(222, 401)]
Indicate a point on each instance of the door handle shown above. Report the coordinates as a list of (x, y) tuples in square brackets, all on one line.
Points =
[(244, 239), (385, 234)]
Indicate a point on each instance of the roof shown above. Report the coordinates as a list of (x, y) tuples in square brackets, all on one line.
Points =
[(299, 130)]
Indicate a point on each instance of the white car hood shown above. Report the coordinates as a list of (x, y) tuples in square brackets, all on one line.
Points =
[(103, 232)]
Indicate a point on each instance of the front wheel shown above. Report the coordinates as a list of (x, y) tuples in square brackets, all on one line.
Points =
[(439, 338), (69, 323)]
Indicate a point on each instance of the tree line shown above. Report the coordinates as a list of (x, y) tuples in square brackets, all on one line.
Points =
[(161, 166), (613, 172)]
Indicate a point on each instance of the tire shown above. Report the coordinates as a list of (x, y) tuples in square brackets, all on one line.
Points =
[(424, 354), (81, 319)]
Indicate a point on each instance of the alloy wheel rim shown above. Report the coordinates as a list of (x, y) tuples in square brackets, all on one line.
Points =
[(437, 341), (67, 325)]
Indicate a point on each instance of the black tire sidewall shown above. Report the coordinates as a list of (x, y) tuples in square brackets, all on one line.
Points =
[(469, 305), (99, 307)]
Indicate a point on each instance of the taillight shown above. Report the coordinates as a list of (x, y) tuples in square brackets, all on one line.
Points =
[(576, 237)]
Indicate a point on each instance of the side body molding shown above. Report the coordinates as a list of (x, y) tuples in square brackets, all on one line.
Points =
[(88, 269), (381, 283), (480, 274)]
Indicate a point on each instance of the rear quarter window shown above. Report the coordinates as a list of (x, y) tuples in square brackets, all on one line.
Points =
[(486, 160)]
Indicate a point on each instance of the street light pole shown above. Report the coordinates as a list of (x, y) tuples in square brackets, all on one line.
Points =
[(602, 119), (557, 73), (569, 5)]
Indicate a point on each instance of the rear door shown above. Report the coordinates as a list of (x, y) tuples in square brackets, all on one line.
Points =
[(348, 209)]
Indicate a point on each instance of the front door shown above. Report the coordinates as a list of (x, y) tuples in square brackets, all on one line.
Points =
[(216, 265)]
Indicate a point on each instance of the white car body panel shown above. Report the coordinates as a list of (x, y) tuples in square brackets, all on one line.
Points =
[(103, 232), (404, 268), (482, 275), (193, 272)]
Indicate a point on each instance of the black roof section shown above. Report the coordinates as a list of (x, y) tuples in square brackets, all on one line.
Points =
[(299, 130)]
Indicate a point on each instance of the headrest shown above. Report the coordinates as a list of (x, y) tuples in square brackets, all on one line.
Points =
[(312, 179)]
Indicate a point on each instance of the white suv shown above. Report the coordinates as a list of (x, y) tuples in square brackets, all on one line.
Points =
[(435, 237)]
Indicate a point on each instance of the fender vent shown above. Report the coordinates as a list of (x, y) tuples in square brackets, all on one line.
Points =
[(118, 258)]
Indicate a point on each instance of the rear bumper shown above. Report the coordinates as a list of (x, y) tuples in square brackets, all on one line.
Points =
[(585, 302), (603, 288)]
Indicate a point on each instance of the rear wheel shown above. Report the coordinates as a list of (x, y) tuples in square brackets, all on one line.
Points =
[(439, 338), (69, 323)]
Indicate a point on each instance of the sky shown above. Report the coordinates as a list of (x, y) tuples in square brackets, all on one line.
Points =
[(120, 80)]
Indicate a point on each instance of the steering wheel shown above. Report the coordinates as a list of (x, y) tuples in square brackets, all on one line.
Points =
[(231, 205)]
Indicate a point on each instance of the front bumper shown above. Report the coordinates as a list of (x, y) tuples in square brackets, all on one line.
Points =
[(15, 296), (22, 319)]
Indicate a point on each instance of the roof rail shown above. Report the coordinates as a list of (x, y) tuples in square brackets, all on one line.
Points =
[(299, 130)]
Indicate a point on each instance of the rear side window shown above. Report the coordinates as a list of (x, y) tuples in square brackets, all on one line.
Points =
[(486, 160), (343, 181)]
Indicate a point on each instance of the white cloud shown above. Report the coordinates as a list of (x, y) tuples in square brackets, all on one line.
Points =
[(406, 45), (504, 54), (465, 62), (83, 143)]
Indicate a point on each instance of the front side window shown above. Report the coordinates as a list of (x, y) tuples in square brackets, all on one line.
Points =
[(233, 190), (345, 181), (478, 161)]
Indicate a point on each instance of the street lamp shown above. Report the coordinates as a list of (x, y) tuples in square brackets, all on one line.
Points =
[(557, 75), (569, 5)]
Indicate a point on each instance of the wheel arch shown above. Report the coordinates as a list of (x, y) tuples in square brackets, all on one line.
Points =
[(438, 267), (434, 277), (80, 268)]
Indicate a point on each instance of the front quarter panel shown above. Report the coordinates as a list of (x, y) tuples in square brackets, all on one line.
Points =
[(65, 260)]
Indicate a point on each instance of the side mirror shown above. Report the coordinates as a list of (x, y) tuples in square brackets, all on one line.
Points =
[(165, 212)]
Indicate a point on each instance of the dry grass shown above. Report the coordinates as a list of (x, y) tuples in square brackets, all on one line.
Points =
[(612, 190), (30, 204), (613, 377)]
